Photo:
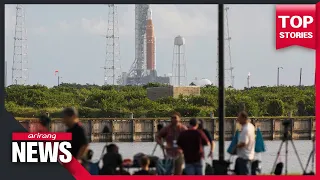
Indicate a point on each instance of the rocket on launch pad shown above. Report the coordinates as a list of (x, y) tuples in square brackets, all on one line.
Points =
[(151, 43)]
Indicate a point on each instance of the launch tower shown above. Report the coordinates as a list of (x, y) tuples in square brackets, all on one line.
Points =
[(20, 71), (137, 70)]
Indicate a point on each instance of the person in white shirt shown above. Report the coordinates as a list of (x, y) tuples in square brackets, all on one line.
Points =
[(245, 146)]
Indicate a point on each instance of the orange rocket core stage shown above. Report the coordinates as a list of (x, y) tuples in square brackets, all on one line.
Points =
[(150, 45)]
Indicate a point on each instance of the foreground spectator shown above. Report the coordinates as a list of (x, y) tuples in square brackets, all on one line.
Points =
[(79, 142), (201, 127), (111, 161), (44, 124), (92, 167), (171, 134), (192, 142), (246, 145), (144, 164), (209, 136)]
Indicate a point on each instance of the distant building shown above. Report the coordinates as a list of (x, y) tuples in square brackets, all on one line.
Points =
[(155, 93), (150, 77)]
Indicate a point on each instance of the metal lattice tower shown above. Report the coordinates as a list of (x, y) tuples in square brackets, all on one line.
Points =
[(112, 66), (20, 71), (138, 68), (229, 76)]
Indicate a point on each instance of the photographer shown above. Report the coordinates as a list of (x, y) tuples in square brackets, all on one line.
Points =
[(245, 147)]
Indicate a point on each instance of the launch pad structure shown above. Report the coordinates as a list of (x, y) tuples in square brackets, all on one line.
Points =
[(143, 69)]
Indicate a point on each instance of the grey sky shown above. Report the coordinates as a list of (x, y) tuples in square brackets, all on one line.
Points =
[(68, 38)]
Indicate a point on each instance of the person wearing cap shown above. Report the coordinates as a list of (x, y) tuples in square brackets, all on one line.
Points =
[(192, 142), (79, 142)]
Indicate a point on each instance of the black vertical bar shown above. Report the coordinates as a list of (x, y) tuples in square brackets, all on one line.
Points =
[(221, 81), (2, 72)]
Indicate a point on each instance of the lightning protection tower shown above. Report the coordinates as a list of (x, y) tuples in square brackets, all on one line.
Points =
[(20, 72), (179, 68), (112, 67), (229, 76)]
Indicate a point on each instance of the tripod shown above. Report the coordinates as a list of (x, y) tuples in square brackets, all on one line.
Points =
[(311, 158), (285, 140)]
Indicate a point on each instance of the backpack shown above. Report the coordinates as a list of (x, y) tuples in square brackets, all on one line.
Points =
[(165, 166), (278, 169)]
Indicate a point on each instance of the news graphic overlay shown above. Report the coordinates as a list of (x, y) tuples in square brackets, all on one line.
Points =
[(296, 26), (41, 147)]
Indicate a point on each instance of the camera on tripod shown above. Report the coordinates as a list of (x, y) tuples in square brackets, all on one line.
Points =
[(277, 167), (286, 124)]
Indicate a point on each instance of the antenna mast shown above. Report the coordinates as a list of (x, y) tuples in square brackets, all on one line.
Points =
[(229, 75), (20, 71), (112, 67), (228, 39)]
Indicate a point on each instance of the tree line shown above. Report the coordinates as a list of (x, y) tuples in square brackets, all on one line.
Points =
[(95, 101)]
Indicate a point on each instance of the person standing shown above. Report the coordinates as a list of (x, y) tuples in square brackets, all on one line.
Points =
[(209, 136), (171, 133), (192, 142), (211, 141), (79, 142), (246, 145)]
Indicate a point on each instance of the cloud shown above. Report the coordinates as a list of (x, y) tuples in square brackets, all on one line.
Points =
[(185, 20), (39, 30), (95, 26), (99, 25), (169, 21), (64, 25)]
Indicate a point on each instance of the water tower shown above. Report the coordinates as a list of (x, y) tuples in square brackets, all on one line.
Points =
[(179, 69)]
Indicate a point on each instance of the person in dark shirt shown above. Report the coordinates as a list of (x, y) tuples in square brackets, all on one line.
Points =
[(191, 143), (79, 142), (209, 136), (111, 161), (144, 163)]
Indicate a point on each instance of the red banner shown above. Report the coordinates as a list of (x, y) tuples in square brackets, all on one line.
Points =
[(296, 26), (41, 136)]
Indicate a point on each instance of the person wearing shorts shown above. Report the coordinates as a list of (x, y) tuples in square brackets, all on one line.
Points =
[(171, 134)]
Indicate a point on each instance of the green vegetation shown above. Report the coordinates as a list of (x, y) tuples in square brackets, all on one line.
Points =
[(111, 101)]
